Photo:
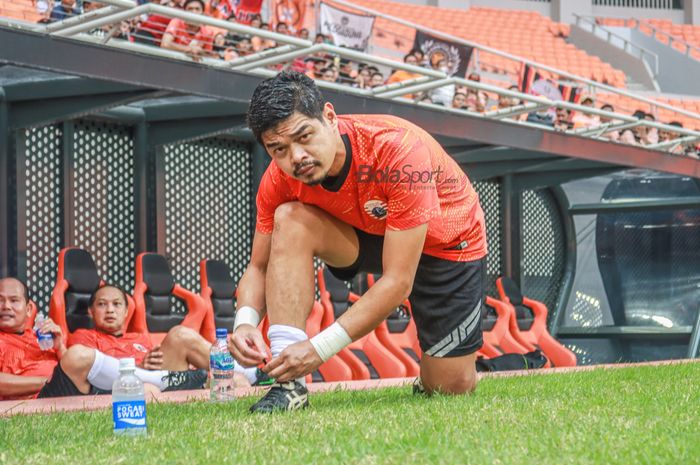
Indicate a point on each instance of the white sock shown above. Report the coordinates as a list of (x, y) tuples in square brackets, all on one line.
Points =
[(282, 336), (249, 373), (105, 370)]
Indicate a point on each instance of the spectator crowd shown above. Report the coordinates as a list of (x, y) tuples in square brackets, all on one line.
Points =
[(203, 41)]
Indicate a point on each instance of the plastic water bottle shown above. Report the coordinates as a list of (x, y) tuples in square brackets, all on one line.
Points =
[(128, 401), (45, 339), (221, 369)]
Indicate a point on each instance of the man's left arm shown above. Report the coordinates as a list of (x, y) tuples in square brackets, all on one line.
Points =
[(402, 251)]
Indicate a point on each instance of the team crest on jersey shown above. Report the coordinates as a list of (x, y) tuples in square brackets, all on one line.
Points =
[(376, 209), (139, 347)]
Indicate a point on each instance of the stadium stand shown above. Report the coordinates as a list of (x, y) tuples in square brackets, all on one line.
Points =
[(683, 37), (526, 34)]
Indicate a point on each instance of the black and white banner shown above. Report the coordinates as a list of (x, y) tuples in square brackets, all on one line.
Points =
[(347, 29), (434, 49)]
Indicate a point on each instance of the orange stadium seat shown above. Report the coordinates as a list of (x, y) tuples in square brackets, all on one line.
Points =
[(334, 369), (398, 333), (379, 361), (76, 280), (528, 324), (498, 339), (513, 31), (153, 290)]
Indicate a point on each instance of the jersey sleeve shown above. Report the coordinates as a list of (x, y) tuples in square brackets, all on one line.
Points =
[(173, 27), (412, 194), (83, 337), (272, 193)]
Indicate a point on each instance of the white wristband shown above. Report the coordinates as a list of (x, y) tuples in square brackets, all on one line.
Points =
[(246, 316), (330, 341)]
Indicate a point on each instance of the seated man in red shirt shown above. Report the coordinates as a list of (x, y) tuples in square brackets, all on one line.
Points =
[(182, 347), (192, 39), (28, 372)]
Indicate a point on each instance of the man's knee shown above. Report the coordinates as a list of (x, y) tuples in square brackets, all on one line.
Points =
[(181, 335), (465, 384), (452, 380), (292, 220), (77, 358)]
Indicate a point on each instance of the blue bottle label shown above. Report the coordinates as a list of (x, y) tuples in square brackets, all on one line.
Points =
[(43, 336), (129, 414), (221, 361)]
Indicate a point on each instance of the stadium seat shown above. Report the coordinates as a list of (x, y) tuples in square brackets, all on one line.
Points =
[(495, 325), (528, 324), (522, 33), (336, 298), (398, 333), (154, 287), (334, 369), (76, 280), (218, 290)]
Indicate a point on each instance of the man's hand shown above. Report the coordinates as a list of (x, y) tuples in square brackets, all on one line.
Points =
[(248, 346), (49, 327), (153, 359), (297, 360)]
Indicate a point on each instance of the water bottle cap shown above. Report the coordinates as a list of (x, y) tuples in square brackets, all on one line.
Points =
[(127, 364), (221, 333)]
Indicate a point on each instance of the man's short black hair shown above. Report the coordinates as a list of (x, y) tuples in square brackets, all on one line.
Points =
[(93, 297), (25, 289), (275, 99), (608, 106)]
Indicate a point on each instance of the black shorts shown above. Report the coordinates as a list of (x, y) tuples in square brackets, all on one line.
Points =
[(446, 299), (61, 385)]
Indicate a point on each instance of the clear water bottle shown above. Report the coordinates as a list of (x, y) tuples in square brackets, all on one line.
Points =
[(45, 339), (221, 369), (128, 401)]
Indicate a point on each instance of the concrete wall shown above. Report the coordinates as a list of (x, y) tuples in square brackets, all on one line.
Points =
[(632, 65), (677, 73), (563, 10)]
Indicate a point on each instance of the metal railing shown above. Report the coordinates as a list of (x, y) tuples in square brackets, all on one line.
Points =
[(589, 24), (654, 4), (655, 32), (268, 62), (591, 86)]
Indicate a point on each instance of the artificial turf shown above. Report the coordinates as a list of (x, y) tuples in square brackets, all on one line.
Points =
[(637, 415)]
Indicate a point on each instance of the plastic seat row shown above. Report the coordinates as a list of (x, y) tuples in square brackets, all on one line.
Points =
[(149, 309), (512, 323), (526, 34)]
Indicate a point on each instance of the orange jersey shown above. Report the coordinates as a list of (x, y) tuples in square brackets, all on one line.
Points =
[(21, 355), (396, 177), (178, 29), (134, 345)]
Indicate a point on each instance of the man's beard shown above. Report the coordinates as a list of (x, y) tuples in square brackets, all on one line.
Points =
[(301, 166)]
